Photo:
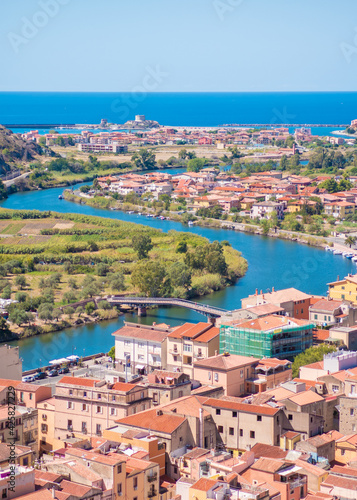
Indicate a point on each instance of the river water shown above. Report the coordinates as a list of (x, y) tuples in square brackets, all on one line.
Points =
[(272, 263)]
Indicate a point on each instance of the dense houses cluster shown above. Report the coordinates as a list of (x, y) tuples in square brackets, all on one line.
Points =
[(117, 141), (257, 196), (196, 411)]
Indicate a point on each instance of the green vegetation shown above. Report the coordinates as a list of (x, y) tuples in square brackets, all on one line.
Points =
[(311, 355), (52, 262)]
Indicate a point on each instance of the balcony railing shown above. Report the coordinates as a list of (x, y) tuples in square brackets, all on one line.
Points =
[(152, 478), (297, 483), (152, 494)]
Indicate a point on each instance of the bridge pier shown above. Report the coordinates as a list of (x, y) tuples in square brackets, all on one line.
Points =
[(212, 320), (142, 311)]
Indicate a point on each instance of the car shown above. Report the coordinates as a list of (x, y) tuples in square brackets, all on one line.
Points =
[(53, 373), (40, 376), (63, 370), (28, 378)]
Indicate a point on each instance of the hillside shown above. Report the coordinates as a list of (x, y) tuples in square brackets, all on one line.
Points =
[(14, 150)]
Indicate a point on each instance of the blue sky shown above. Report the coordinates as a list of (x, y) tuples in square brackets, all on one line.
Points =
[(178, 45)]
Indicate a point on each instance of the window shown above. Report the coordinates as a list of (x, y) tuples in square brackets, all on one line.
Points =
[(259, 418), (99, 429), (69, 425), (335, 388), (4, 493), (220, 428), (241, 432), (343, 452), (135, 483), (84, 407), (142, 407), (175, 358), (119, 490), (216, 377), (127, 342), (353, 427), (44, 428), (99, 409), (231, 431), (99, 396), (218, 411), (113, 398), (141, 357), (234, 413), (252, 434), (351, 412), (69, 405), (84, 394), (119, 469), (141, 395), (315, 316), (84, 427), (112, 411), (241, 373), (70, 392), (290, 417), (209, 375), (180, 394), (141, 345)]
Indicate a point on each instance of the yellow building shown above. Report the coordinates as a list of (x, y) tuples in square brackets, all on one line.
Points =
[(345, 289), (346, 449), (143, 441), (46, 425), (289, 440), (340, 209)]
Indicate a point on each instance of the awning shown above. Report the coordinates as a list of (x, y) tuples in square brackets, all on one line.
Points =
[(54, 362), (290, 471), (140, 367), (72, 358)]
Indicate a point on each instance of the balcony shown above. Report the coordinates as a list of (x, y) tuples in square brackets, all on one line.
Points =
[(152, 478), (297, 483), (70, 428), (152, 494)]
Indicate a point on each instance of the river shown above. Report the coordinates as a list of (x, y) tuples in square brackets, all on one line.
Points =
[(272, 263)]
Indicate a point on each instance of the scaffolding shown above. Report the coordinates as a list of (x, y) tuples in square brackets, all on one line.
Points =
[(280, 343)]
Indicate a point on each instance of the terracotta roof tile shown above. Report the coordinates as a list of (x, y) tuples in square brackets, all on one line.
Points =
[(81, 382)]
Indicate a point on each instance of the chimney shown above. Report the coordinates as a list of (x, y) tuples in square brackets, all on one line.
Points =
[(261, 292), (53, 492), (273, 289), (201, 427), (256, 291)]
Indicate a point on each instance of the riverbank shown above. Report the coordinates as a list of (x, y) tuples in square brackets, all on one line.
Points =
[(109, 203)]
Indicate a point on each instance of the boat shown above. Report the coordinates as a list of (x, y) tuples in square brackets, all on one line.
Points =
[(139, 213), (349, 256), (190, 223), (329, 249), (354, 259), (337, 252), (60, 197)]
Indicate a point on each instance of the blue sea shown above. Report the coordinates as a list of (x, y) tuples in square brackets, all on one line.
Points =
[(190, 109)]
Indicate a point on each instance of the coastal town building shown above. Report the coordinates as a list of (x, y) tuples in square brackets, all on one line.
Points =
[(141, 348), (345, 289), (10, 363), (190, 342), (271, 336)]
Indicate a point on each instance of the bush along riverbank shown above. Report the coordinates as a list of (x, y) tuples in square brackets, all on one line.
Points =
[(54, 266)]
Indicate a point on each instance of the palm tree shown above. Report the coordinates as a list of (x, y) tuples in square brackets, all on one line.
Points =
[(350, 240)]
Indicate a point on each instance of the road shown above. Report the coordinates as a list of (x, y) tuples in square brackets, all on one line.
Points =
[(12, 181)]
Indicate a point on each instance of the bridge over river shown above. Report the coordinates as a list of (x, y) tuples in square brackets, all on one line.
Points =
[(143, 302)]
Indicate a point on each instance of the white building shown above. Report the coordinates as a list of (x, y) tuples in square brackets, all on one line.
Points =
[(264, 209), (141, 347)]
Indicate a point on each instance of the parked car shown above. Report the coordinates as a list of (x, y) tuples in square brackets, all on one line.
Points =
[(63, 370), (28, 378), (40, 376), (53, 373)]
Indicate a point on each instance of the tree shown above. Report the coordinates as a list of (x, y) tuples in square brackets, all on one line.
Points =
[(18, 316), (56, 314), (69, 297), (89, 308), (72, 284), (20, 281), (79, 311), (330, 185), (350, 240), (144, 159), (182, 154), (310, 355), (265, 225), (111, 353), (21, 297), (6, 293), (142, 245), (90, 290), (102, 269), (180, 275), (181, 247), (195, 164), (117, 281), (151, 279), (69, 311), (283, 163), (45, 312)]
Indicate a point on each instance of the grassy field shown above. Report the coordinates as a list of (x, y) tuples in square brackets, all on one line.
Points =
[(63, 259)]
